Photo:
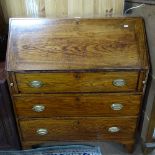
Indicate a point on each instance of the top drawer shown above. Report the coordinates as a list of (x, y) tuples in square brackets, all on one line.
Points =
[(76, 82)]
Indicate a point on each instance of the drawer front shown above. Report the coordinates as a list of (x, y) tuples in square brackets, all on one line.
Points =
[(78, 129), (77, 105), (77, 82)]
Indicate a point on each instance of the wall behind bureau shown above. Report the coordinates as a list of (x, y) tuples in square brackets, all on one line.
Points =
[(62, 8)]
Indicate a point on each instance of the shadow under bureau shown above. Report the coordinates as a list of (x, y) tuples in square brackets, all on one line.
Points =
[(77, 79)]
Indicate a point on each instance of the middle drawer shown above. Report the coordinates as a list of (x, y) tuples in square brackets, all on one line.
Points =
[(99, 104)]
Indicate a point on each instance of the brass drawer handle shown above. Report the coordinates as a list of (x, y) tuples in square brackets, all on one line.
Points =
[(36, 84), (11, 84), (119, 82), (113, 129), (42, 131), (38, 108), (116, 106)]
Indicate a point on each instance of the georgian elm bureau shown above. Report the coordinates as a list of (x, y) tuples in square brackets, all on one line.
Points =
[(77, 79)]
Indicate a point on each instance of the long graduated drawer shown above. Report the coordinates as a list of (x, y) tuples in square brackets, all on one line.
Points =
[(77, 128), (99, 104)]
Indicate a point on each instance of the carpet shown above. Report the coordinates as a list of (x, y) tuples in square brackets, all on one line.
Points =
[(58, 150)]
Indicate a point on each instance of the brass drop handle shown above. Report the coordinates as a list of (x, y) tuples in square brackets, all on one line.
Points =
[(38, 108), (36, 84), (119, 82), (114, 129), (42, 131), (116, 106)]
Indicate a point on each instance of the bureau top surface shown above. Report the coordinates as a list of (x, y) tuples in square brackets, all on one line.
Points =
[(75, 44)]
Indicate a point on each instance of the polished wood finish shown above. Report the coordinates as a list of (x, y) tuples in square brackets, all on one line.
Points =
[(76, 62), (78, 128), (36, 144), (62, 8), (76, 82), (77, 105), (71, 44), (129, 146)]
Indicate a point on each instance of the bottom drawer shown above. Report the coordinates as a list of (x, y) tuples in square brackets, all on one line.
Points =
[(77, 128)]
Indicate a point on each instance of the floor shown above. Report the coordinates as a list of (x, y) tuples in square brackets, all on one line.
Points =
[(110, 148), (117, 149)]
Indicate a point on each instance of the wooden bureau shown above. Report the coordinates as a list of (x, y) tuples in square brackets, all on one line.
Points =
[(77, 79)]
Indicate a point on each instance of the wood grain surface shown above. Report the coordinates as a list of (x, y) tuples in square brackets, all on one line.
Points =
[(78, 128), (35, 144), (76, 82), (62, 8), (77, 105), (73, 44), (77, 61)]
